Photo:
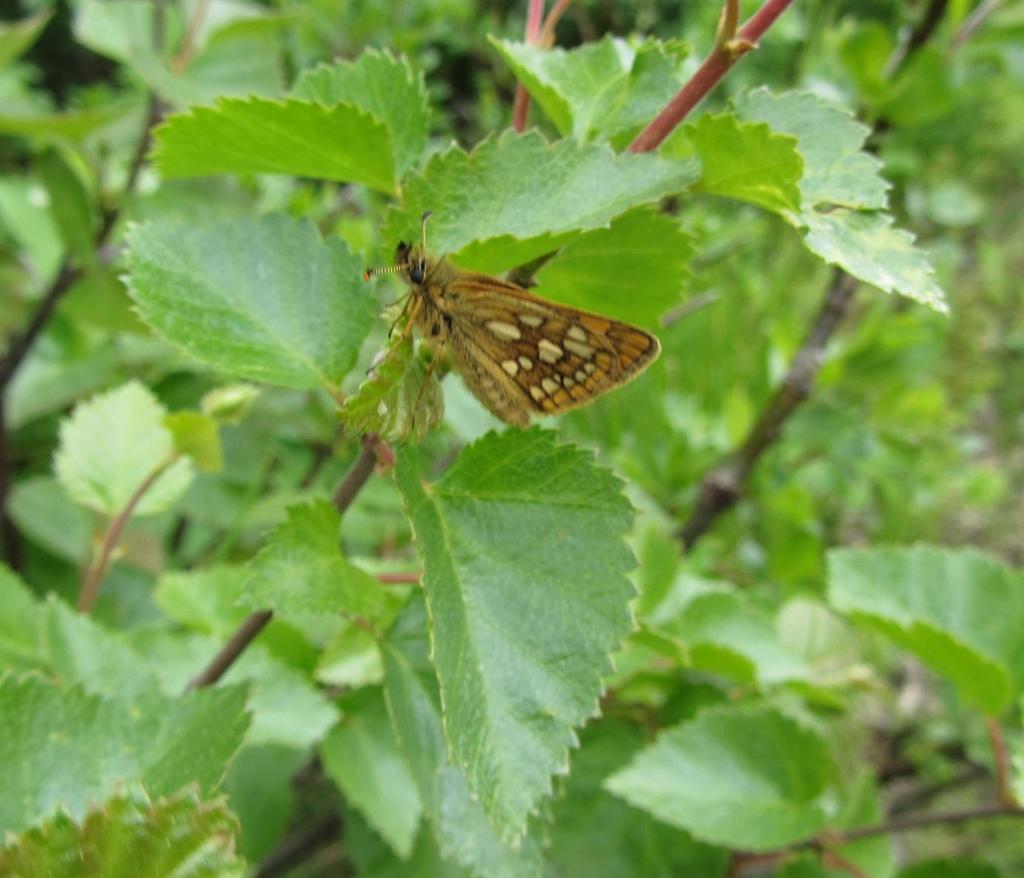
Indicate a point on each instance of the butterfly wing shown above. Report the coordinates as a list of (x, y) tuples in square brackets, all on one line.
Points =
[(524, 355)]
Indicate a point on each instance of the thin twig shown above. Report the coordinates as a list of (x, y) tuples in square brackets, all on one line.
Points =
[(690, 306), (922, 821), (722, 486), (971, 24), (916, 37), (725, 54), (299, 846), (93, 577), (372, 451), (245, 634), (546, 39), (188, 44), (1004, 773), (521, 104)]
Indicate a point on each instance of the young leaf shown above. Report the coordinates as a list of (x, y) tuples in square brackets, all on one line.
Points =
[(747, 161), (99, 743), (397, 401), (264, 298), (111, 444), (300, 573), (526, 196), (730, 635), (383, 86), (71, 204), (961, 612), (463, 832), (525, 575), (843, 194), (230, 403), (196, 436), (361, 756), (634, 270), (130, 835), (741, 776), (610, 87), (267, 136)]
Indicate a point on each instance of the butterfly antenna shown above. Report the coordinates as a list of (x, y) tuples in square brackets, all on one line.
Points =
[(423, 229), (384, 269)]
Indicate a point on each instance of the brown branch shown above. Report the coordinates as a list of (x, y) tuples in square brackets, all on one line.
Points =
[(1004, 773), (356, 478), (297, 847), (726, 53), (188, 44), (246, 633), (93, 577), (722, 486)]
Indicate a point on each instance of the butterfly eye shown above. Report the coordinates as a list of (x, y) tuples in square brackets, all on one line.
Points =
[(418, 272)]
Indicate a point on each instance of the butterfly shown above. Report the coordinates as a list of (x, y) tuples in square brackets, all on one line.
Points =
[(519, 354)]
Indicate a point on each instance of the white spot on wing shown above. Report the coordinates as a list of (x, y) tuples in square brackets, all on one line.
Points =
[(504, 331), (549, 351)]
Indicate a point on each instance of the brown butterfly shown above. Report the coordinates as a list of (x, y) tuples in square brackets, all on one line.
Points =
[(520, 355)]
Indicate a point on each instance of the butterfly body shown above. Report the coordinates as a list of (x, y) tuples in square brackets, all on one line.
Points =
[(519, 354)]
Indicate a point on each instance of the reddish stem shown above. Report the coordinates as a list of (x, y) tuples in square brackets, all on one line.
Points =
[(398, 578), (1004, 785), (521, 105), (708, 75), (97, 570)]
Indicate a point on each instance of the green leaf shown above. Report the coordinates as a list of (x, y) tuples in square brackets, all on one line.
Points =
[(525, 576), (71, 204), (635, 270), (75, 125), (131, 835), (260, 792), (610, 87), (458, 820), (286, 708), (515, 197), (961, 612), (17, 36), (383, 86), (728, 634), (79, 650), (20, 647), (301, 573), (102, 742), (264, 298), (596, 834), (266, 136), (111, 444), (842, 195), (397, 401), (43, 513), (361, 756), (837, 170), (197, 436), (742, 776), (25, 213), (746, 160), (868, 247), (204, 599)]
